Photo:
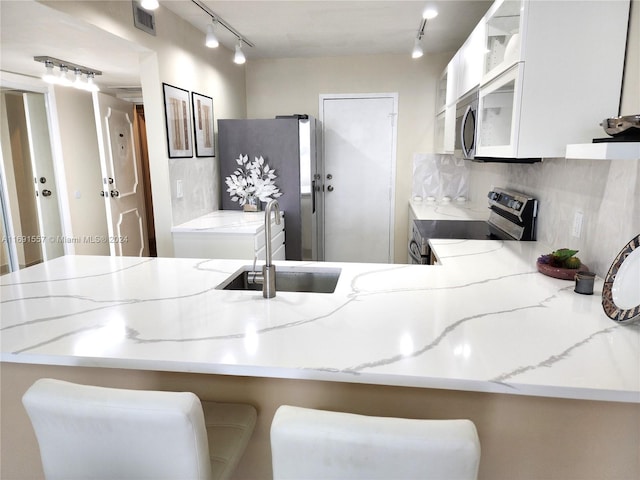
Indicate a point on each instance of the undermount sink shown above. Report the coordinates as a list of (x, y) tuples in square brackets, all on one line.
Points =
[(288, 279)]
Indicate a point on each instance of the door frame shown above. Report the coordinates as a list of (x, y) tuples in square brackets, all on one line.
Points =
[(36, 85), (394, 149)]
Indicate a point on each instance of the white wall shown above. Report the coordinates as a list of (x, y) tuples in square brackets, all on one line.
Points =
[(292, 85), (177, 56)]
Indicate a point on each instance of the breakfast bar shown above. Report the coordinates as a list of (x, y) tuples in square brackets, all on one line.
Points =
[(546, 376)]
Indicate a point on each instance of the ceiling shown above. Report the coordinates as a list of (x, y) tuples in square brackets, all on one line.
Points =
[(311, 28), (278, 29)]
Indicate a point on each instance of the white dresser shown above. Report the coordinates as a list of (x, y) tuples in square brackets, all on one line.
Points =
[(228, 234)]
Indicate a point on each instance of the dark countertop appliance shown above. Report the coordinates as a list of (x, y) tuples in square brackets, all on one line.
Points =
[(512, 217)]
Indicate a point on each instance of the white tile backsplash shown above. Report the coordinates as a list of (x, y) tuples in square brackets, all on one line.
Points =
[(200, 184), (607, 192)]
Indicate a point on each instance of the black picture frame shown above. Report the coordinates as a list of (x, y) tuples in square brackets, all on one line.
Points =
[(178, 121), (204, 138)]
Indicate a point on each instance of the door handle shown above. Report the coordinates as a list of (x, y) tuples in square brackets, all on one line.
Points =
[(466, 149), (115, 193), (330, 188), (46, 193)]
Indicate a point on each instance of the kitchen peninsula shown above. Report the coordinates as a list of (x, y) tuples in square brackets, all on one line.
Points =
[(552, 384)]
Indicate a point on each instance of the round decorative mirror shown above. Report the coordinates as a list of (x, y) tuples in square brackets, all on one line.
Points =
[(621, 290)]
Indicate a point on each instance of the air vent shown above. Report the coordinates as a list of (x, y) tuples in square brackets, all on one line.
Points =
[(144, 19)]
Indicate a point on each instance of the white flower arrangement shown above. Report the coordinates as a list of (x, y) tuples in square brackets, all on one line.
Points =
[(252, 179)]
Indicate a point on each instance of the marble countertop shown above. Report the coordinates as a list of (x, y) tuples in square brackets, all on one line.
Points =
[(484, 320), (224, 221), (452, 210)]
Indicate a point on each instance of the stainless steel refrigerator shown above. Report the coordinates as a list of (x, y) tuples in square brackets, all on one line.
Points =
[(290, 144)]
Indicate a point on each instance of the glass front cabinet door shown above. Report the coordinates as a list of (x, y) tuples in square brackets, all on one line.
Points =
[(502, 36), (499, 115)]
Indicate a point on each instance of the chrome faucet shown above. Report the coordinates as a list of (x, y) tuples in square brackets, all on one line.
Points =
[(269, 270)]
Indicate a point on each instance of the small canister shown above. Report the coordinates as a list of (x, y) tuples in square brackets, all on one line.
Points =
[(584, 282)]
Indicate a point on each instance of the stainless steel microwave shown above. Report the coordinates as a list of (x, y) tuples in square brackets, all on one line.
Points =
[(466, 122)]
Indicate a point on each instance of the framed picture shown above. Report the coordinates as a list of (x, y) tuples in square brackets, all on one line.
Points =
[(203, 125), (176, 112)]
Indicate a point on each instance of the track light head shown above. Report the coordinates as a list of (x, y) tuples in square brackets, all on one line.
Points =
[(417, 51), (91, 87), (49, 76), (211, 39), (63, 78), (429, 13), (239, 57)]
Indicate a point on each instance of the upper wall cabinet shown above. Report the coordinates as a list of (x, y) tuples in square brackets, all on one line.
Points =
[(502, 37), (470, 61), (548, 73), (446, 96), (552, 72)]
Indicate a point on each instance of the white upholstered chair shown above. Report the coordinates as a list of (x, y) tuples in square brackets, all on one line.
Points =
[(88, 432), (317, 444)]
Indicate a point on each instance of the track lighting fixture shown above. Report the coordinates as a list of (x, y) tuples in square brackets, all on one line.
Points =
[(427, 14), (211, 40), (239, 57), (63, 76)]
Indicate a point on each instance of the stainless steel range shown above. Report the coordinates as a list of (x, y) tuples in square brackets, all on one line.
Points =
[(512, 217)]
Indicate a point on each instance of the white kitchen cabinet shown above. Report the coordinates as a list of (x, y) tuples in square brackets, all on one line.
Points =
[(446, 97), (501, 40), (552, 73), (470, 61), (228, 234), (441, 91), (499, 114), (445, 130)]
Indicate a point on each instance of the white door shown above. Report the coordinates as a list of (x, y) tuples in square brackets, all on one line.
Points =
[(44, 176), (122, 177), (359, 145)]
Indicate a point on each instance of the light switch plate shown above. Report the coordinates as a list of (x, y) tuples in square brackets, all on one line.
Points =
[(179, 192)]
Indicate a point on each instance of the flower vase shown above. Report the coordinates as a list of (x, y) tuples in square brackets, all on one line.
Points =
[(251, 204)]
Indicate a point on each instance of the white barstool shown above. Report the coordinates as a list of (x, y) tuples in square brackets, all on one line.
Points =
[(317, 444), (108, 433)]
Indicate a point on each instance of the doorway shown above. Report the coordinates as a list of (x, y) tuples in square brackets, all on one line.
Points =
[(32, 231), (120, 146), (359, 147)]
